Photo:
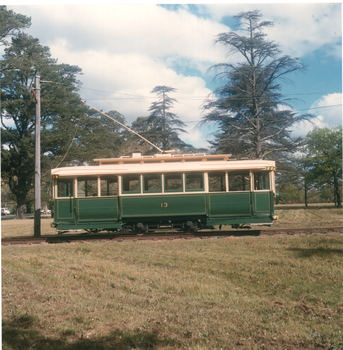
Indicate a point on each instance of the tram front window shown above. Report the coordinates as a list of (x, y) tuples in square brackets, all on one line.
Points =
[(87, 187), (262, 180), (65, 188), (239, 181)]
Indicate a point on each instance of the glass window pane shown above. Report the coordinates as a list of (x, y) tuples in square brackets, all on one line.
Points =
[(131, 183), (152, 183), (262, 180), (216, 182), (87, 187), (173, 182), (65, 188), (109, 185), (194, 182), (239, 181)]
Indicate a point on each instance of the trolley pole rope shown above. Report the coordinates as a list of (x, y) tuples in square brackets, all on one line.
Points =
[(124, 126)]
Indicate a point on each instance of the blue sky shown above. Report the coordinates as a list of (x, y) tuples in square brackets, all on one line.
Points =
[(126, 50)]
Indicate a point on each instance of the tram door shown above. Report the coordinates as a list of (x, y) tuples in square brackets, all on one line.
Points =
[(263, 198), (64, 203), (97, 199), (234, 203)]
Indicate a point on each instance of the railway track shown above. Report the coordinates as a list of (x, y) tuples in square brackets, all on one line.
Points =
[(162, 236)]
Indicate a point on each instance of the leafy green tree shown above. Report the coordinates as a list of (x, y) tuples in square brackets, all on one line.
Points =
[(324, 153), (60, 107), (11, 23), (163, 126), (289, 193), (253, 117), (98, 137)]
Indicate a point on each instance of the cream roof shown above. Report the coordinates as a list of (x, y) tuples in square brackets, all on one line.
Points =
[(162, 164)]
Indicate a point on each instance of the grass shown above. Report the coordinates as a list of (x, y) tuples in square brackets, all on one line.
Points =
[(281, 292), (288, 218)]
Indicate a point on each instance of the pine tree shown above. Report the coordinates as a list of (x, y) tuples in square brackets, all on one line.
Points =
[(164, 126), (253, 117)]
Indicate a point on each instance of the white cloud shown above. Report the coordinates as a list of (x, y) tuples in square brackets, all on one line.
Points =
[(328, 114), (125, 29), (329, 109), (300, 28)]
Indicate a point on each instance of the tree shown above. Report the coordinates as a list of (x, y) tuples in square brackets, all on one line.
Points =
[(164, 126), (59, 111), (254, 119), (11, 23), (324, 151), (97, 137)]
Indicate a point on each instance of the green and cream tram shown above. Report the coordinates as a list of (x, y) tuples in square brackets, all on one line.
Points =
[(189, 191)]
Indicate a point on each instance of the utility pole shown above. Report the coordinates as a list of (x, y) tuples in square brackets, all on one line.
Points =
[(37, 218)]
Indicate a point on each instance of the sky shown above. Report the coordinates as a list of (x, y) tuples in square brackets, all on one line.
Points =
[(125, 50)]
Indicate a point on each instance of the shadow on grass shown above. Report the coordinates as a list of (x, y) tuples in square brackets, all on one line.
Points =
[(24, 332), (319, 252)]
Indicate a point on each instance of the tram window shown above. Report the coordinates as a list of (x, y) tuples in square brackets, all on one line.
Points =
[(109, 185), (152, 183), (262, 180), (131, 184), (173, 183), (87, 187), (65, 188), (216, 182), (239, 181), (194, 182)]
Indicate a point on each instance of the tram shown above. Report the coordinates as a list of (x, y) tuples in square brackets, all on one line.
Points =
[(161, 191)]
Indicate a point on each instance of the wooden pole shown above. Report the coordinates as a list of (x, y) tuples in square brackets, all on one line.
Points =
[(37, 217)]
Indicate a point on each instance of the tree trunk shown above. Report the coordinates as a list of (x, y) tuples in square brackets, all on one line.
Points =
[(305, 189), (337, 194), (20, 211)]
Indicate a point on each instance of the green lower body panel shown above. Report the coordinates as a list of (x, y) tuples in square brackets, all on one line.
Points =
[(96, 209), (163, 206), (221, 208), (229, 204), (240, 208), (262, 202), (86, 213)]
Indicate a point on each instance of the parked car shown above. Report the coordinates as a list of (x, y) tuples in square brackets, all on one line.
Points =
[(48, 211), (5, 211)]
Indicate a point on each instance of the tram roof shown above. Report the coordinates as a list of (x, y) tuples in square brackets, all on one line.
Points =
[(163, 163), (162, 158)]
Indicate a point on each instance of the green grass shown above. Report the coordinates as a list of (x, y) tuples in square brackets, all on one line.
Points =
[(280, 292)]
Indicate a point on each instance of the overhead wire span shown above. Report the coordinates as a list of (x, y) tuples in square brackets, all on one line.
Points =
[(71, 142), (124, 126)]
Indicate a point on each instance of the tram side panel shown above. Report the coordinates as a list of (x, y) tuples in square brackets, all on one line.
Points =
[(240, 208), (153, 209), (86, 213)]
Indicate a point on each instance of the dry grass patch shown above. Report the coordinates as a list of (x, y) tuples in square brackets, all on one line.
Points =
[(21, 228), (296, 218), (234, 293), (301, 218)]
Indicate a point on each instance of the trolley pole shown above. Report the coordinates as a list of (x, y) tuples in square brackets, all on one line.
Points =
[(37, 217)]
